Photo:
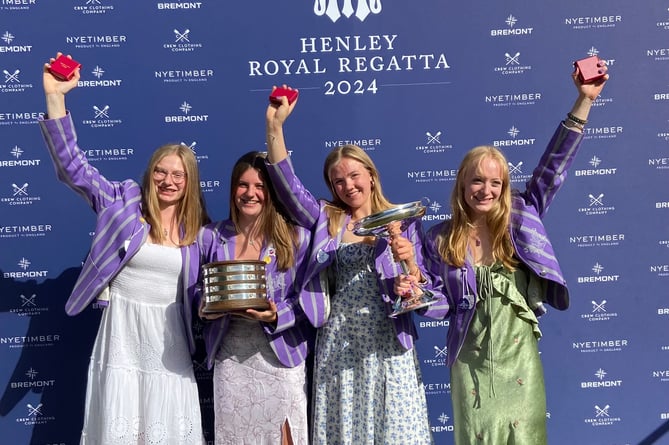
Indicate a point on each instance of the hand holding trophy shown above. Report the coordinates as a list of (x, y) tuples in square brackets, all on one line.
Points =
[(388, 223)]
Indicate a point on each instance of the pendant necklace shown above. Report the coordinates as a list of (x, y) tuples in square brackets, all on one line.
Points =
[(167, 233), (252, 242), (477, 240)]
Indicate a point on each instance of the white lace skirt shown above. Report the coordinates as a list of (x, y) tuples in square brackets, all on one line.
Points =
[(254, 394)]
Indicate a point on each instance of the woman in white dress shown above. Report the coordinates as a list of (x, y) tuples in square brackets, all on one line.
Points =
[(258, 356), (142, 267)]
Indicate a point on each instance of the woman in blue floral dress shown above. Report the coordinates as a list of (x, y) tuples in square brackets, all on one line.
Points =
[(367, 383)]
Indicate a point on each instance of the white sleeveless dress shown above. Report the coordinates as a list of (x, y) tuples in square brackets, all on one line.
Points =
[(141, 385)]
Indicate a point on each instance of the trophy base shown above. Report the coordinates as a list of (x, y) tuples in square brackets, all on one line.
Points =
[(219, 307), (403, 306)]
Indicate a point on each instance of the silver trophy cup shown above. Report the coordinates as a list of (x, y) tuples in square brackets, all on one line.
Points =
[(377, 225), (234, 286)]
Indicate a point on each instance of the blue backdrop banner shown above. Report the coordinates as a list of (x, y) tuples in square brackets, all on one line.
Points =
[(415, 84)]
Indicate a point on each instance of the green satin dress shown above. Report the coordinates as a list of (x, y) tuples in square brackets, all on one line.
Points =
[(497, 381)]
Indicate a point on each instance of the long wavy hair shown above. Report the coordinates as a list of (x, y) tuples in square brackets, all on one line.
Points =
[(452, 241), (191, 211), (273, 221), (336, 208)]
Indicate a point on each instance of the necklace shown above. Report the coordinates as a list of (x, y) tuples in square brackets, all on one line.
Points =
[(473, 234), (476, 239), (167, 232), (167, 237), (255, 243), (350, 226)]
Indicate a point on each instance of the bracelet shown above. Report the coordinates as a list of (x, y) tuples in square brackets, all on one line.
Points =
[(573, 124), (575, 119)]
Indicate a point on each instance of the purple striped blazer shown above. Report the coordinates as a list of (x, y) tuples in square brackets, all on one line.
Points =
[(309, 212), (120, 229), (291, 337), (528, 234)]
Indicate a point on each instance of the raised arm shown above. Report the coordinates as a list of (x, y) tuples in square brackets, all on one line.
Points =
[(55, 90), (275, 117), (587, 94), (301, 205), (549, 175), (69, 160)]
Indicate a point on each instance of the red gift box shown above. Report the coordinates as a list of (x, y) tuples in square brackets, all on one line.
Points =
[(278, 92), (63, 68), (590, 72)]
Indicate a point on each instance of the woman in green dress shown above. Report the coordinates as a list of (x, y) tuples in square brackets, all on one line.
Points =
[(496, 265)]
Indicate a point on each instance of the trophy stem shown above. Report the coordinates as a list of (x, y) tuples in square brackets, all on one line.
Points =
[(405, 268), (404, 305)]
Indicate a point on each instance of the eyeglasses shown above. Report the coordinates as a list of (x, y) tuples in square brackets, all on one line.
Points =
[(160, 174)]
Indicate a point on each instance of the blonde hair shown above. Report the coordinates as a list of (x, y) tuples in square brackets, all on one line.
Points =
[(336, 208), (273, 222), (452, 241), (191, 213)]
